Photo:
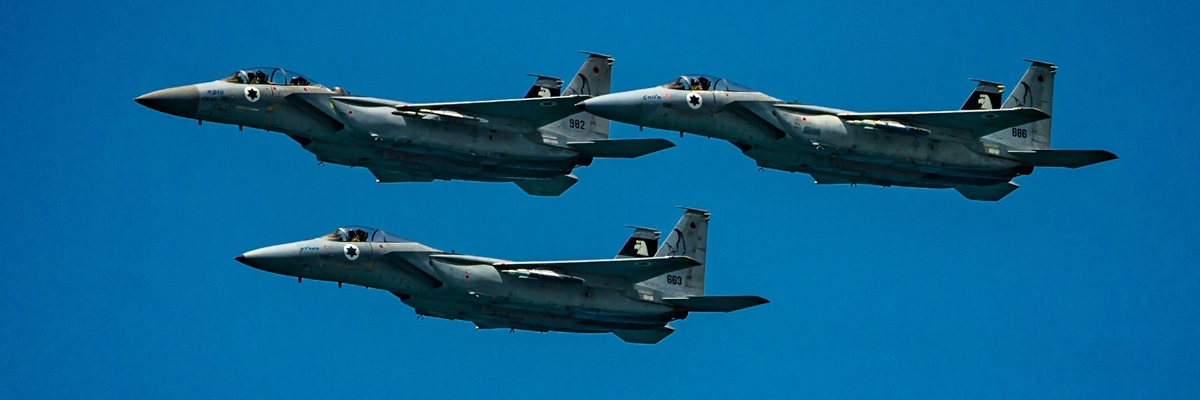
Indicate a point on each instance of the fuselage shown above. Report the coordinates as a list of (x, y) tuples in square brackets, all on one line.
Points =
[(395, 147), (819, 143), (461, 287)]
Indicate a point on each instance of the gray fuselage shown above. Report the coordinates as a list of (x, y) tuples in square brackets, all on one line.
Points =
[(396, 148), (819, 143), (460, 287)]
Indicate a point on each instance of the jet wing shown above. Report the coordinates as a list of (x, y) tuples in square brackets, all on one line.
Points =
[(631, 269), (978, 122), (359, 101), (538, 111)]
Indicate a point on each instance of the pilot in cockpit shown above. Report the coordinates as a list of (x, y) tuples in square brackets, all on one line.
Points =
[(700, 83), (258, 77), (299, 81)]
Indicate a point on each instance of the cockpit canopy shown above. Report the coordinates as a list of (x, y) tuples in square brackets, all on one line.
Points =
[(362, 234), (704, 83), (270, 76)]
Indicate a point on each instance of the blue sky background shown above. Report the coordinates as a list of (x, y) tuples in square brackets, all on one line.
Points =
[(122, 223)]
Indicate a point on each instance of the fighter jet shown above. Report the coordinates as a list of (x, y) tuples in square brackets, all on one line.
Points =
[(977, 150), (634, 296), (535, 142)]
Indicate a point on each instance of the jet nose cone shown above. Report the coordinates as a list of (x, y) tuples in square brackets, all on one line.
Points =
[(281, 259), (618, 107), (267, 259), (181, 101)]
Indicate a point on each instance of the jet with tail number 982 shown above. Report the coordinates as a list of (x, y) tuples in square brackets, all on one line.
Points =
[(634, 295), (535, 142), (977, 150)]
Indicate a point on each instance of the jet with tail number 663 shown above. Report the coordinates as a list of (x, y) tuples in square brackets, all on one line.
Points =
[(634, 295), (535, 142), (976, 150)]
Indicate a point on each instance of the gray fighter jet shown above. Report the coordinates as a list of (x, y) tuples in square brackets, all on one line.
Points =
[(633, 296), (534, 142), (976, 150)]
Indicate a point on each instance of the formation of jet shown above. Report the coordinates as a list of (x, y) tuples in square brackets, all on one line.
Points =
[(535, 142), (633, 296), (538, 140), (977, 150)]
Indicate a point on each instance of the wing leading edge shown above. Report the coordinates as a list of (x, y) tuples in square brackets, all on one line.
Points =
[(631, 269), (978, 122), (538, 111)]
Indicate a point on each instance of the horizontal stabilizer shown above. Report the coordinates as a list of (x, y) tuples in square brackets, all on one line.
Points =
[(621, 148), (547, 187), (631, 269), (987, 193), (650, 336), (1062, 158), (716, 303)]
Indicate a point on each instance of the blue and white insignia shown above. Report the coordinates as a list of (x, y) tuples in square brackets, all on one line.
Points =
[(351, 252), (252, 93), (548, 103), (694, 100)]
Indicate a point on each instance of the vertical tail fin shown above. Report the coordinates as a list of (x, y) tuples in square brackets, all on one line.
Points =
[(545, 86), (985, 97), (642, 243), (594, 79), (1036, 90), (688, 238)]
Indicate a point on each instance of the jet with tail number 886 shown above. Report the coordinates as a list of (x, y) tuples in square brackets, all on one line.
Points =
[(634, 295), (535, 142), (976, 150)]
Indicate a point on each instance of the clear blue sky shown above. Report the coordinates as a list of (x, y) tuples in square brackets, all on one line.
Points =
[(122, 223)]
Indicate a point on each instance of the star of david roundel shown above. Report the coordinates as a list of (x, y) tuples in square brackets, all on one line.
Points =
[(252, 93), (351, 252), (694, 100)]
